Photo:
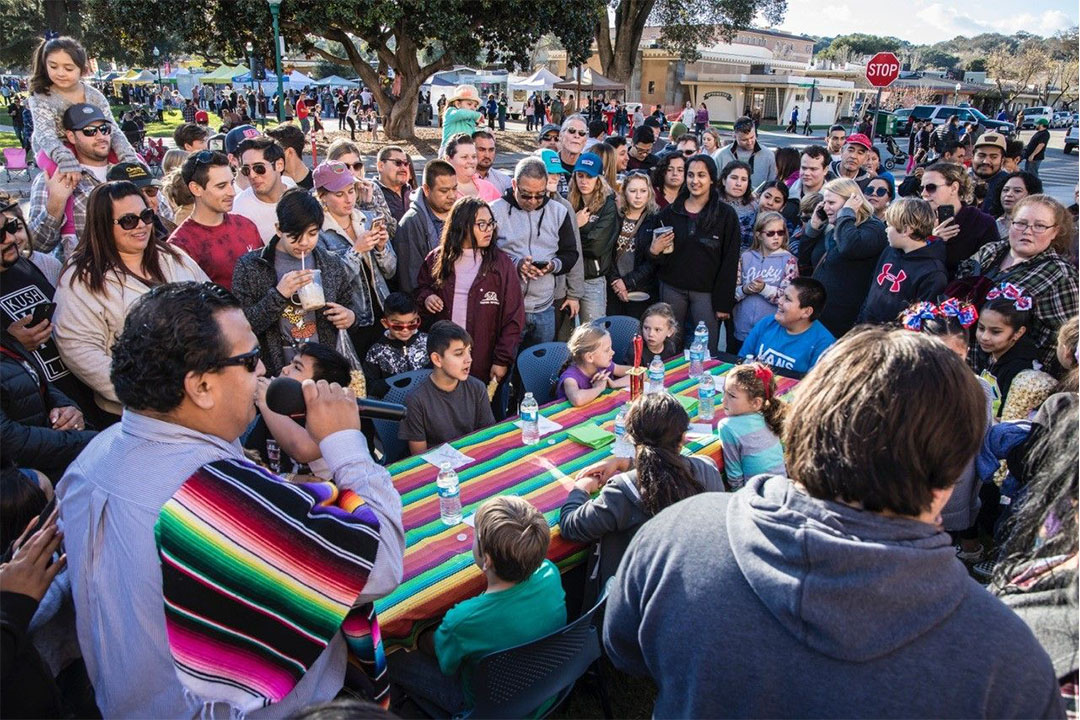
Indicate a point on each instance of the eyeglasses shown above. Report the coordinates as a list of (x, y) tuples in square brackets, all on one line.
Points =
[(579, 133), (259, 168), (92, 131), (12, 226), (151, 190), (355, 167), (131, 220), (774, 233), (249, 361), (531, 196), (1022, 226), (930, 188), (397, 161), (400, 327), (882, 191), (483, 225)]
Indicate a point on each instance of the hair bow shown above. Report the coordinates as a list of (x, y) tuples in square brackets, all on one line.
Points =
[(1009, 291), (913, 317), (765, 375), (51, 35), (964, 312)]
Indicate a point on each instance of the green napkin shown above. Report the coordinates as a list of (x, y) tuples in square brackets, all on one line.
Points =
[(689, 404), (592, 435)]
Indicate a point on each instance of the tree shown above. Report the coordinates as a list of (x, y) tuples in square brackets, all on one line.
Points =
[(976, 65), (845, 47), (684, 27), (1012, 71), (23, 23), (395, 33)]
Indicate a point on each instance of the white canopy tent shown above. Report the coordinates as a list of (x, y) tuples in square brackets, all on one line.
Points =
[(336, 81), (298, 80), (519, 89)]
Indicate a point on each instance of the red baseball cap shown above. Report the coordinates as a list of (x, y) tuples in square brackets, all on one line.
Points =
[(201, 117), (859, 139)]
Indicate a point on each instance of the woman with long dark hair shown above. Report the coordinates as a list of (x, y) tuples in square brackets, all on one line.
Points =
[(698, 261), (470, 281), (668, 178), (736, 191), (116, 262), (661, 477)]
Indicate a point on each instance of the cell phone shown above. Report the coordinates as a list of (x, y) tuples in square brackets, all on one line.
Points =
[(540, 264), (44, 311), (945, 212), (822, 215), (41, 518)]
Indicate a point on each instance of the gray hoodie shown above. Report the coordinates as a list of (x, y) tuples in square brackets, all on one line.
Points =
[(545, 234), (770, 603)]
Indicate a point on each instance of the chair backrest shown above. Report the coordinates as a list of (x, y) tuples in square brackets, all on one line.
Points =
[(401, 386), (539, 368), (15, 158), (622, 329), (513, 683)]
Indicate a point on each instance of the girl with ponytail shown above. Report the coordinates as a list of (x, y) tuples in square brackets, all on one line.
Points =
[(656, 424), (750, 432)]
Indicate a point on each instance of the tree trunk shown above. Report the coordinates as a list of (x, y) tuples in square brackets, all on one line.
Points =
[(630, 19), (401, 124)]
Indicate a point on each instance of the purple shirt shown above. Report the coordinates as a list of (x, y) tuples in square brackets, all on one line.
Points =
[(583, 380)]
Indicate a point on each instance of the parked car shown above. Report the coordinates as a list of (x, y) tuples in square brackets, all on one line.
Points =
[(1030, 114), (1072, 139), (1062, 118), (940, 114)]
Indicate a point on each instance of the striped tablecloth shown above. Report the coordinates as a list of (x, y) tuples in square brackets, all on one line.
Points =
[(439, 567)]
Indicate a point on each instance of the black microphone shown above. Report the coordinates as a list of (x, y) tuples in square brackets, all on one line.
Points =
[(285, 396)]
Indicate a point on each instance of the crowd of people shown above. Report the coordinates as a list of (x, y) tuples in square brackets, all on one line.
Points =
[(935, 322)]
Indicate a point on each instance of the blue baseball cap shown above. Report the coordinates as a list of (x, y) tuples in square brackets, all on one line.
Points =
[(590, 164), (552, 162), (238, 135)]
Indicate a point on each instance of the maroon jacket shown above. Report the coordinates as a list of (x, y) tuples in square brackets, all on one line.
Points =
[(496, 316)]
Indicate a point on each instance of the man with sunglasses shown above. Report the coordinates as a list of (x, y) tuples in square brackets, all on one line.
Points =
[(186, 368), (213, 236), (572, 138), (746, 148), (262, 162), (393, 180), (548, 138), (58, 200)]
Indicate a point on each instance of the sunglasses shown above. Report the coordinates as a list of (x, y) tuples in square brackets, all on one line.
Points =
[(249, 361), (355, 167), (259, 168), (688, 152), (930, 187), (131, 220), (398, 162), (400, 327), (531, 196), (550, 138), (579, 133), (92, 131), (774, 233), (203, 157), (883, 192), (12, 226)]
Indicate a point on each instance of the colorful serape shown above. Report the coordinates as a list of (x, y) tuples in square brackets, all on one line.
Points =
[(439, 568), (258, 575)]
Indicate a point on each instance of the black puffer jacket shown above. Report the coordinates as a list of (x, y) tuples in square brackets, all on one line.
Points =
[(26, 435)]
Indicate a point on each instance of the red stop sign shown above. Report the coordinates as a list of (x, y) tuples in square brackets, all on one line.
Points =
[(882, 69)]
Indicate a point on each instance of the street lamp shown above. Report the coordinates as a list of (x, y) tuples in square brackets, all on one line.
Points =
[(956, 97), (157, 61), (275, 9), (251, 66)]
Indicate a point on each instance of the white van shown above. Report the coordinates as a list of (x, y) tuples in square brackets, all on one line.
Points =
[(1035, 112)]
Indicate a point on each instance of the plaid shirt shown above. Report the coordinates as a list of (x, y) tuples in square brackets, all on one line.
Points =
[(1047, 278), (46, 230), (189, 113)]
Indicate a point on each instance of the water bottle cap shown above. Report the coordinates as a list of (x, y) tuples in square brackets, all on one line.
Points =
[(528, 396), (446, 467)]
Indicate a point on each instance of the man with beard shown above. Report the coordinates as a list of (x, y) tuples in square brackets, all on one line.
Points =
[(852, 159), (987, 167), (485, 158)]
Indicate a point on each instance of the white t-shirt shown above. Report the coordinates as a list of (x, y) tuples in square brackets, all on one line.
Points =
[(263, 214), (98, 171)]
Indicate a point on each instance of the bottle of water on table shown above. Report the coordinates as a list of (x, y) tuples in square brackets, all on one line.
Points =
[(530, 420), (706, 398), (656, 376), (623, 446), (449, 495)]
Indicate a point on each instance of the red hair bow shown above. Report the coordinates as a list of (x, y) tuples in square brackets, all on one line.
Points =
[(765, 375)]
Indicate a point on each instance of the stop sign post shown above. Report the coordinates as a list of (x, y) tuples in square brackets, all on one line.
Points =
[(881, 72)]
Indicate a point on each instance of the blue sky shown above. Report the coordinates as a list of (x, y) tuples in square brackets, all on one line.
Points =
[(928, 21)]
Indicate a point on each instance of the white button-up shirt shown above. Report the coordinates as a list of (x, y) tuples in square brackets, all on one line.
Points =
[(110, 498)]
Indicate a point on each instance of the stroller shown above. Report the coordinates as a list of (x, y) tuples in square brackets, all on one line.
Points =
[(891, 153)]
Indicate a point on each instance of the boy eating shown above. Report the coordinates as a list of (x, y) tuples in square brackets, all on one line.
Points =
[(404, 347), (911, 268), (450, 403), (792, 338), (524, 601)]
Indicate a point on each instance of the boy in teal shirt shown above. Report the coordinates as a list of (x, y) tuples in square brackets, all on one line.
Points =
[(461, 113), (524, 601)]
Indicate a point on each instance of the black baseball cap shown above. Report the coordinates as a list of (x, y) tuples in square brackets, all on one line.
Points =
[(133, 173), (80, 115)]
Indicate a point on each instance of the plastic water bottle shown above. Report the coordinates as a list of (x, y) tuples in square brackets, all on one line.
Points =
[(623, 446), (449, 495), (656, 376), (701, 334), (530, 420), (698, 350), (706, 398)]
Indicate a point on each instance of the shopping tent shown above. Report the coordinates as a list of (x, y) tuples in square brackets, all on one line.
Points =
[(591, 81), (144, 78), (224, 75), (542, 79), (298, 80), (337, 81)]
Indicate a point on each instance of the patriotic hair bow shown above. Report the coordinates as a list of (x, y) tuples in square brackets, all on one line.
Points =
[(964, 312), (1011, 292), (913, 317)]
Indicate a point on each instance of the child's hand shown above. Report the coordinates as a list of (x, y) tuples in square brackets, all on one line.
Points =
[(754, 286), (589, 483), (600, 379)]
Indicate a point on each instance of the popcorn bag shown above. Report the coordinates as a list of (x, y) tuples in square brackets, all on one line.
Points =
[(345, 348)]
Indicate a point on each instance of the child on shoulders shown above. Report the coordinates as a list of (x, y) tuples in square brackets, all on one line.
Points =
[(450, 402), (524, 601), (792, 338), (590, 369), (764, 272), (403, 347), (750, 432), (658, 329)]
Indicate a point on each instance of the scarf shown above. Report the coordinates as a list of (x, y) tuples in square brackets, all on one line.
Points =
[(258, 576)]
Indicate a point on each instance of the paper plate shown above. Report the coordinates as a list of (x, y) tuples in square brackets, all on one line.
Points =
[(637, 296)]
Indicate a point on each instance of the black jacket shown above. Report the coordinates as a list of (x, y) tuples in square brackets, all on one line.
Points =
[(705, 259), (598, 239), (26, 435), (1020, 356), (901, 279), (27, 687), (643, 275)]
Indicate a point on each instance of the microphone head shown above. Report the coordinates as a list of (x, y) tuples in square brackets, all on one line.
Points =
[(285, 396)]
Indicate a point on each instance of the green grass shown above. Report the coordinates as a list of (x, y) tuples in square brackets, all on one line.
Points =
[(8, 139)]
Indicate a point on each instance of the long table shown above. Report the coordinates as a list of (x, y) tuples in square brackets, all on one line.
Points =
[(439, 567)]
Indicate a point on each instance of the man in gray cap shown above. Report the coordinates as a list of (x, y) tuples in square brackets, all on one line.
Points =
[(548, 138), (88, 132)]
